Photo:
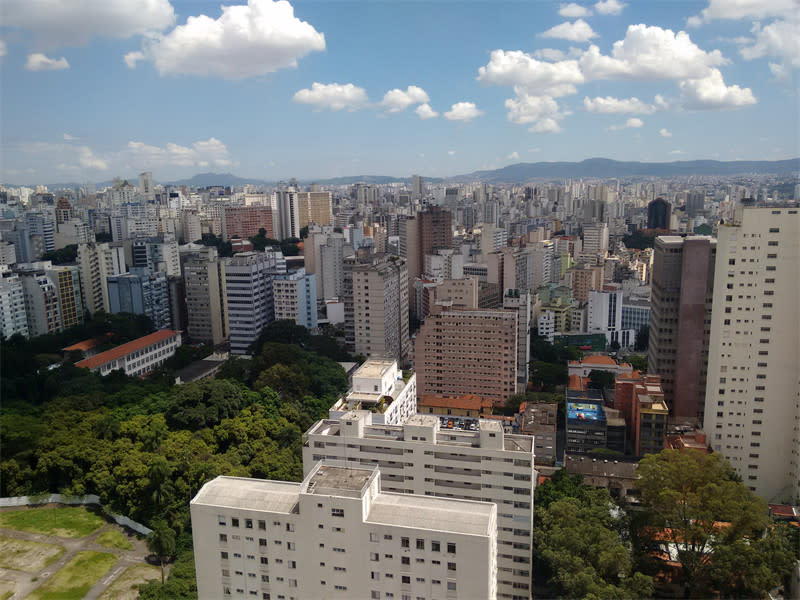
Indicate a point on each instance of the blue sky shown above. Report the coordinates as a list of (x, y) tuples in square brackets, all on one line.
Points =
[(96, 89)]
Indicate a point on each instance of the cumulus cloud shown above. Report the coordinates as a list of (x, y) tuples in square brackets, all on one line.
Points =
[(542, 112), (463, 111), (554, 55), (609, 7), (664, 132), (513, 156), (201, 153), (40, 62), (69, 138), (397, 100), (245, 41), (610, 105), (632, 123), (516, 68), (579, 31), (573, 11), (650, 53), (744, 9), (333, 96), (711, 93), (55, 23), (780, 39), (424, 111), (88, 160)]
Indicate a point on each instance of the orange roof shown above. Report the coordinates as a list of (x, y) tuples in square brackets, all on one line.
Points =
[(541, 479), (576, 382), (120, 351), (467, 402), (599, 359), (82, 346)]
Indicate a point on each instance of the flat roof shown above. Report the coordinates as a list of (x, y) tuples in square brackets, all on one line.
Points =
[(435, 514), (373, 368), (338, 478), (249, 494)]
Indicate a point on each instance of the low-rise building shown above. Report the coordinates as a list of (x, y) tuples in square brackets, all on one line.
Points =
[(138, 357), (597, 362), (468, 405), (541, 421), (339, 535), (381, 388)]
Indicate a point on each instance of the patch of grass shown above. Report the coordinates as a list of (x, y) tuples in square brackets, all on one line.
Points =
[(126, 586), (67, 521), (6, 589), (77, 577), (112, 538), (22, 555)]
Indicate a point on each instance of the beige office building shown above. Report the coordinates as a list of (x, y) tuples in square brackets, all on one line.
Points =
[(314, 207), (339, 535), (421, 457), (752, 403), (206, 303)]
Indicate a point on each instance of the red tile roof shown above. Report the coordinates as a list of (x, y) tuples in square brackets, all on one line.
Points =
[(82, 346), (120, 351), (467, 402)]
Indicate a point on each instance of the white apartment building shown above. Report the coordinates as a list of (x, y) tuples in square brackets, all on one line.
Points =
[(138, 357), (248, 289), (295, 297), (421, 458), (13, 318), (339, 535), (546, 325), (380, 387), (752, 403)]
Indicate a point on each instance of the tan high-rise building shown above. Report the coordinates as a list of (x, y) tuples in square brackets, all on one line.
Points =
[(680, 319), (204, 284), (459, 352), (380, 308), (752, 403), (585, 279), (97, 262), (314, 207), (245, 222)]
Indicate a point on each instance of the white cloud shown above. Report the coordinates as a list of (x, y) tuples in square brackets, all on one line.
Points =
[(572, 11), (451, 152), (632, 123), (609, 7), (542, 111), (554, 55), (397, 100), (424, 111), (579, 31), (780, 39), (744, 9), (463, 111), (69, 138), (40, 62), (56, 23), (516, 68), (131, 58), (88, 160), (664, 132), (650, 53), (711, 93), (200, 154), (676, 152), (610, 105), (245, 41), (333, 96), (513, 156)]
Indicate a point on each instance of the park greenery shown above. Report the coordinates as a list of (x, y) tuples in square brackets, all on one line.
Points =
[(146, 446)]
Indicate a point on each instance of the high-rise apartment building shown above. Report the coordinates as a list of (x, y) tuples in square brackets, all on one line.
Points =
[(682, 285), (422, 457), (204, 291), (157, 254), (248, 290), (458, 352), (331, 267), (339, 535), (42, 307), (659, 212), (595, 239), (67, 281), (380, 308), (13, 318), (752, 402), (141, 292), (295, 296), (521, 302), (146, 187), (286, 203), (96, 263), (315, 207), (246, 221), (417, 187)]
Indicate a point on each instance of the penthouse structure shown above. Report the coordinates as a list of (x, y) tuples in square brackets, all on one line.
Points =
[(138, 357), (421, 458), (338, 534), (460, 352), (383, 389)]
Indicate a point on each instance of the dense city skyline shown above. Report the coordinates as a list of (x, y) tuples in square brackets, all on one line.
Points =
[(330, 89)]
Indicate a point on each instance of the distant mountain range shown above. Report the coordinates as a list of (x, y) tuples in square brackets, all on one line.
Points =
[(521, 172)]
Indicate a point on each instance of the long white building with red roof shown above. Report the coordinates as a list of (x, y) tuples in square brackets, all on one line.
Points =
[(139, 357)]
